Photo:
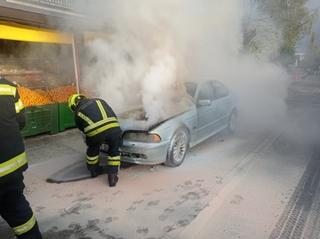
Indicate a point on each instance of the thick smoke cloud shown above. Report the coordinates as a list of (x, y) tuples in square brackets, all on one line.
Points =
[(152, 46)]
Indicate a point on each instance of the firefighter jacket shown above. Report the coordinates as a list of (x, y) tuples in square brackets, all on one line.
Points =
[(12, 153), (94, 117)]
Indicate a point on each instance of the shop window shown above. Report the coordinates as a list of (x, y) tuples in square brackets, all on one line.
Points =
[(43, 71)]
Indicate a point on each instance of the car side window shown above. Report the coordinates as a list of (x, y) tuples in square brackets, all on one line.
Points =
[(206, 92), (220, 90), (191, 88)]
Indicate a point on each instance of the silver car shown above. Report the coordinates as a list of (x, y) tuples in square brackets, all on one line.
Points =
[(213, 110)]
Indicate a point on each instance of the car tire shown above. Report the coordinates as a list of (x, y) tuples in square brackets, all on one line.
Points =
[(232, 122), (178, 148)]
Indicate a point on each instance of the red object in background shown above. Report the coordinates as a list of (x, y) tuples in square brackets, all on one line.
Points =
[(296, 74)]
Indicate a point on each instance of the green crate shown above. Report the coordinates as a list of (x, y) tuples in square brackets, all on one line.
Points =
[(66, 117), (41, 119)]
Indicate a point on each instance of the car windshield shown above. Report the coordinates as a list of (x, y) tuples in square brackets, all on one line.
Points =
[(191, 88)]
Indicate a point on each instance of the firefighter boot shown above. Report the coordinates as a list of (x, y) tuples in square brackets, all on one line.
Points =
[(96, 171), (113, 179)]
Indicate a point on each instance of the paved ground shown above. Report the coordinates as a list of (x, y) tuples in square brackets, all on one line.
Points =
[(251, 185)]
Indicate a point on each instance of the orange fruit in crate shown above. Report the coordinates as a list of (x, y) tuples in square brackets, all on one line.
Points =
[(61, 94), (33, 97)]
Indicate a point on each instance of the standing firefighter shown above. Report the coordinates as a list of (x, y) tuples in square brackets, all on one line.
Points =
[(14, 207), (96, 119)]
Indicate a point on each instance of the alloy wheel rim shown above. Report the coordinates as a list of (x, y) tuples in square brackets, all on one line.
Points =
[(179, 146)]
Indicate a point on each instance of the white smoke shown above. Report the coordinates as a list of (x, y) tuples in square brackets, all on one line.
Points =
[(266, 37), (153, 46)]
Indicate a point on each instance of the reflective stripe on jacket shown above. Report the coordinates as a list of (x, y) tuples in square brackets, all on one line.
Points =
[(13, 164), (94, 116), (12, 119), (8, 90), (26, 227)]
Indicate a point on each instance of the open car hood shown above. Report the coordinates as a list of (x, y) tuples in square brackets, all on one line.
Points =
[(136, 120)]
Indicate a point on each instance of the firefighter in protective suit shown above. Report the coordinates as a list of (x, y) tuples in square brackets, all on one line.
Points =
[(95, 118), (14, 208)]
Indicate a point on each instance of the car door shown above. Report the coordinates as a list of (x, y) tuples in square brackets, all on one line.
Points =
[(207, 111), (223, 103)]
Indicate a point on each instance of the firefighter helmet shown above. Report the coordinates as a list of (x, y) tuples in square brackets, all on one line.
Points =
[(74, 100)]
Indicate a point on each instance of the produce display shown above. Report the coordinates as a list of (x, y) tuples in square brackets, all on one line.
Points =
[(61, 94), (44, 74), (38, 80), (31, 97)]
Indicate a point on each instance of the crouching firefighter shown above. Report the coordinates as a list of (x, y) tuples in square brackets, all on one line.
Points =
[(96, 119), (14, 208)]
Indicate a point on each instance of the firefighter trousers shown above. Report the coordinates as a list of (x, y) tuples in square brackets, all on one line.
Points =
[(113, 140), (16, 211)]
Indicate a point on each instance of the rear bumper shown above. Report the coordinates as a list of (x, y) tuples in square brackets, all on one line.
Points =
[(144, 153)]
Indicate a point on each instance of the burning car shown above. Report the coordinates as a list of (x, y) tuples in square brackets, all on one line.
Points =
[(212, 110)]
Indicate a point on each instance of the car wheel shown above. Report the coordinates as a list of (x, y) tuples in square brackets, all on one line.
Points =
[(232, 122), (178, 148)]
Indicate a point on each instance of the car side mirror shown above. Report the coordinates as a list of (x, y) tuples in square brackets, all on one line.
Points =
[(204, 102)]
